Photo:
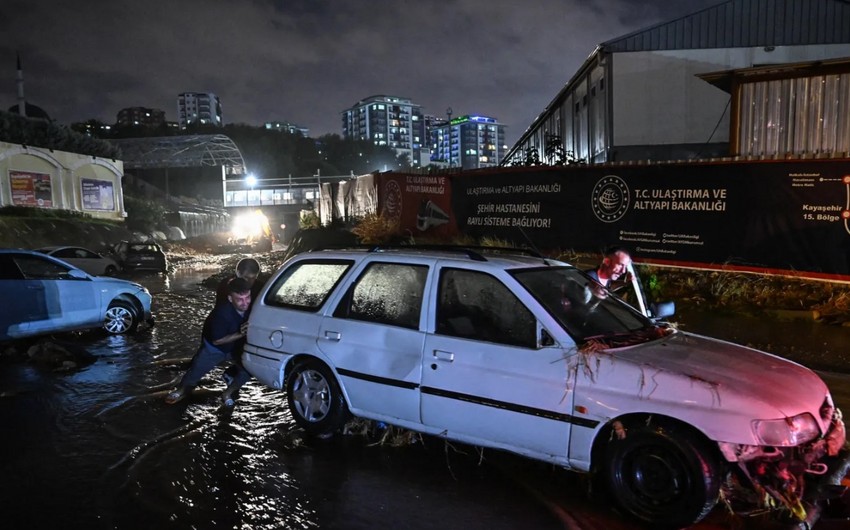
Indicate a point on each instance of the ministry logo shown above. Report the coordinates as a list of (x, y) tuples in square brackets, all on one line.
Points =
[(610, 199)]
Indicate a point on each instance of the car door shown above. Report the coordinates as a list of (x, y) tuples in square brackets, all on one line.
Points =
[(19, 303), (485, 378), (58, 300), (375, 336)]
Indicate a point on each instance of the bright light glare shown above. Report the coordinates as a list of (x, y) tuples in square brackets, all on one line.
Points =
[(251, 180), (249, 225)]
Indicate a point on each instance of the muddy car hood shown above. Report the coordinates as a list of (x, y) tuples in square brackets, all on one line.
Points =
[(752, 375)]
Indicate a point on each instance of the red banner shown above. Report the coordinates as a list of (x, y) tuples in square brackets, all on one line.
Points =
[(421, 204), (31, 189)]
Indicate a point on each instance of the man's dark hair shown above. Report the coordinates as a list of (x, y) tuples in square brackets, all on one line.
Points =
[(610, 251), (238, 286), (249, 265)]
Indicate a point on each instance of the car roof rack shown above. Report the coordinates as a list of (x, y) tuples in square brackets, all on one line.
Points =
[(473, 252)]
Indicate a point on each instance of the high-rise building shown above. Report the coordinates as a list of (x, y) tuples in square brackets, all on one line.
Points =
[(198, 108), (140, 117), (468, 142), (388, 120)]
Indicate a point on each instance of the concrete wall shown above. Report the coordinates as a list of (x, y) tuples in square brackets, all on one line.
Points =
[(45, 178)]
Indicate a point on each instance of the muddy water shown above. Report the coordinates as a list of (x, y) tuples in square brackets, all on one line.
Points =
[(98, 448)]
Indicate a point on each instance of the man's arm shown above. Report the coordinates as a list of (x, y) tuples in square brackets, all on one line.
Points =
[(233, 337), (222, 327)]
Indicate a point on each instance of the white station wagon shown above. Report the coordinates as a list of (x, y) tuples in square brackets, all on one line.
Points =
[(529, 355)]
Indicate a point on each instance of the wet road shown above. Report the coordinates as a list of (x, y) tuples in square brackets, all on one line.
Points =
[(98, 448)]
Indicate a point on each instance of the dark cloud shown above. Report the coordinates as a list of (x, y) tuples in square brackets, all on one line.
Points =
[(305, 61)]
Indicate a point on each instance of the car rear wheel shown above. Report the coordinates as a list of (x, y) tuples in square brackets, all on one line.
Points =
[(315, 399), (110, 270), (121, 317), (662, 477)]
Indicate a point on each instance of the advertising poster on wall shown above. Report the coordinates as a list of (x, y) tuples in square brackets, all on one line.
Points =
[(421, 204), (759, 216), (31, 189), (97, 194)]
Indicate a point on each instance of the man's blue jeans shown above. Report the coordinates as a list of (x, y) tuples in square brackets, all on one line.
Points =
[(208, 357)]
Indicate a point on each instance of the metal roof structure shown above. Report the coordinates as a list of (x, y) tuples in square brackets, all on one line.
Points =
[(181, 151), (745, 23), (724, 79)]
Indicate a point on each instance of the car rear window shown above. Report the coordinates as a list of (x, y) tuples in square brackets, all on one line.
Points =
[(307, 284), (386, 293)]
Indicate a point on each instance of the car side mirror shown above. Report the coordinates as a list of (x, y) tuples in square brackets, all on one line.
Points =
[(660, 310)]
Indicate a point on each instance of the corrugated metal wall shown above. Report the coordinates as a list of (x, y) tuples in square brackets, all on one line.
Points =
[(746, 23)]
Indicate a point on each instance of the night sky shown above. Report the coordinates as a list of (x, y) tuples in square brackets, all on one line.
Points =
[(305, 61)]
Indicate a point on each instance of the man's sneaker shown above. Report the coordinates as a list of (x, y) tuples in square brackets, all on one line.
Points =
[(228, 402)]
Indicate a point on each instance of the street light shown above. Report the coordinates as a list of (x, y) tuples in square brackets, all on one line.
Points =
[(251, 180)]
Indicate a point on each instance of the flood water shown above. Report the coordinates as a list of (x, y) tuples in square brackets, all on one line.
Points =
[(98, 448)]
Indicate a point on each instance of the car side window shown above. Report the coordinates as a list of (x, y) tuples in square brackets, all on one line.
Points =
[(387, 293), (34, 268), (307, 285), (8, 269), (475, 305)]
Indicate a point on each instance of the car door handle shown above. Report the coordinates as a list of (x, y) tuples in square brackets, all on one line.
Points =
[(444, 355), (333, 335)]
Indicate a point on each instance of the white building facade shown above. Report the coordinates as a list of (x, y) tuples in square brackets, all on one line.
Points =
[(388, 120), (198, 108)]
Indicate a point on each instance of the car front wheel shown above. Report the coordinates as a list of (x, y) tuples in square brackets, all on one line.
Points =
[(662, 477), (315, 399), (120, 318)]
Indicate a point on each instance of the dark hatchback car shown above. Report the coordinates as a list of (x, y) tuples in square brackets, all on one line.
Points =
[(140, 256)]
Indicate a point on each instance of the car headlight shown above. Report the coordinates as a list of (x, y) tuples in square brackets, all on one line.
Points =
[(787, 432)]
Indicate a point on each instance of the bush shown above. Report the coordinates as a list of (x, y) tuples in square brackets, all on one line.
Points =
[(143, 215), (375, 229), (309, 220)]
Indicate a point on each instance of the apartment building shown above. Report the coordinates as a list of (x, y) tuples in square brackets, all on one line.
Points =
[(468, 142), (199, 108), (140, 117), (285, 126), (388, 120)]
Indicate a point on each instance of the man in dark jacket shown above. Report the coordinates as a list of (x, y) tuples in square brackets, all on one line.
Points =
[(247, 269), (224, 331)]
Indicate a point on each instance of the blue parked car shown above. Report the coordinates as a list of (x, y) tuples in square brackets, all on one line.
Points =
[(43, 295)]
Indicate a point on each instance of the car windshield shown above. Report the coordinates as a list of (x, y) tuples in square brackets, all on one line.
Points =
[(584, 308)]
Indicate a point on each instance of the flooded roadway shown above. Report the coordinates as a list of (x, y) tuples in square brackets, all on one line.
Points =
[(98, 448)]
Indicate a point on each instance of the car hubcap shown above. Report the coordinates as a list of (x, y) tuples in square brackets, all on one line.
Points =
[(656, 478), (118, 320), (311, 394)]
